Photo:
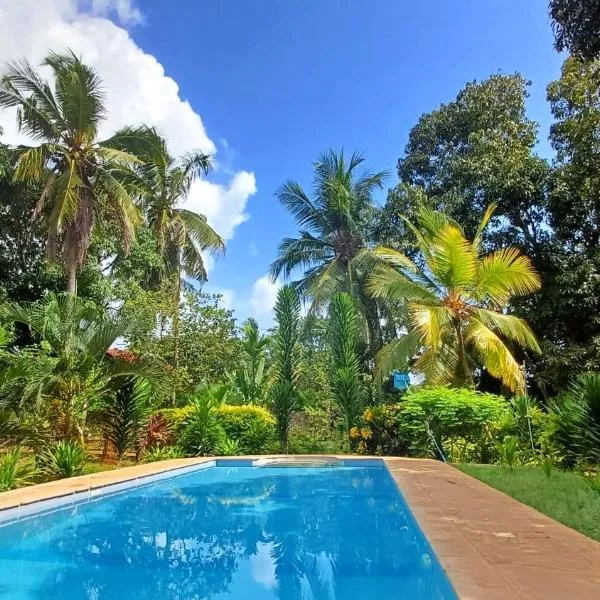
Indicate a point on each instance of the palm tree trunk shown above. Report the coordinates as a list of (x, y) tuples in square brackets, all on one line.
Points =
[(72, 279), (176, 348)]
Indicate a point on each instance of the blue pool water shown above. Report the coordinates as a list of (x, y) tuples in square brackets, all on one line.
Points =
[(335, 533)]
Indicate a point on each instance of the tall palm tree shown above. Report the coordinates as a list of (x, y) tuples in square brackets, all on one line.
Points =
[(335, 225), (456, 304), (84, 178), (164, 183)]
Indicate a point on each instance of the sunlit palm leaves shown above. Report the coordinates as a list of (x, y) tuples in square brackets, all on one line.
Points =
[(83, 177), (456, 304)]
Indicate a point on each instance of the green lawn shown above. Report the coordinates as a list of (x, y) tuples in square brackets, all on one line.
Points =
[(563, 496)]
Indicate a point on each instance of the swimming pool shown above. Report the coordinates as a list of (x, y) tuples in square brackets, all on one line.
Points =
[(231, 530)]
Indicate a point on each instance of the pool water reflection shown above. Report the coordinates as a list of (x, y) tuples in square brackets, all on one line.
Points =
[(224, 533)]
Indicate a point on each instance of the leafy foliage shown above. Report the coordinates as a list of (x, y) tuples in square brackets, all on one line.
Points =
[(248, 379), (65, 459), (15, 471), (252, 427), (430, 420), (82, 178), (346, 385), (159, 453), (73, 373), (124, 416), (575, 418), (284, 393), (576, 25), (202, 434), (334, 226)]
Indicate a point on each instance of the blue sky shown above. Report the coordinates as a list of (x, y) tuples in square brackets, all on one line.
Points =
[(277, 82), (283, 81)]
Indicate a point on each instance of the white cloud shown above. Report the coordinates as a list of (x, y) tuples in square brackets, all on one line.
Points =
[(264, 295), (126, 12), (223, 205), (137, 89)]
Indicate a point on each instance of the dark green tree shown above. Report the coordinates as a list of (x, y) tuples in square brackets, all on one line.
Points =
[(576, 25), (475, 150)]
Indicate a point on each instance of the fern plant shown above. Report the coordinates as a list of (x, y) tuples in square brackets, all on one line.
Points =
[(284, 394), (345, 382)]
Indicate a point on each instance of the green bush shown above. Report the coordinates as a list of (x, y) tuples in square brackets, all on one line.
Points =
[(175, 420), (462, 423), (574, 427), (252, 427), (158, 453)]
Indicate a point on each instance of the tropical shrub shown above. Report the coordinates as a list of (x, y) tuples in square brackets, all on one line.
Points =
[(14, 471), (159, 453), (124, 416), (252, 427), (508, 450), (381, 431), (574, 428), (202, 434), (230, 448), (454, 421), (157, 433), (65, 459)]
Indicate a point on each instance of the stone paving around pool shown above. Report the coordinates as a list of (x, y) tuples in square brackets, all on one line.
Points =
[(491, 546)]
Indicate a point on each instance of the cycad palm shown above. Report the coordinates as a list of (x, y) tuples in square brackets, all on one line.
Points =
[(73, 373), (84, 178), (456, 304), (334, 227)]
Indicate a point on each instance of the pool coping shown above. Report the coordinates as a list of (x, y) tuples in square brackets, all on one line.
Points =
[(490, 545)]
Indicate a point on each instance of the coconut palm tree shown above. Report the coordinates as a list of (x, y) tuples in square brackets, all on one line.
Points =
[(457, 304), (84, 178), (335, 225), (163, 184)]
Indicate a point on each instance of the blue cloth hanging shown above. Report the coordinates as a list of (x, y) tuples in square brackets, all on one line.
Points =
[(400, 380)]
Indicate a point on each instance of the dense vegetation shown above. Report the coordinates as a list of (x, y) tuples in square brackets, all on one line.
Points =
[(479, 275)]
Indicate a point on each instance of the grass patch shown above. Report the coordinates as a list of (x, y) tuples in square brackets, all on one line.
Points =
[(563, 496)]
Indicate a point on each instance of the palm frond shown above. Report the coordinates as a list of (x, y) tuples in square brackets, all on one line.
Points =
[(504, 274), (398, 354), (496, 357), (452, 259), (509, 327)]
